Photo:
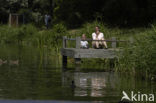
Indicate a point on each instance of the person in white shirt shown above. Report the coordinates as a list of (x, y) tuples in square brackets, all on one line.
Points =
[(97, 35), (84, 44)]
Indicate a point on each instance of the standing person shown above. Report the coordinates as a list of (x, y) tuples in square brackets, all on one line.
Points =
[(97, 35), (47, 20)]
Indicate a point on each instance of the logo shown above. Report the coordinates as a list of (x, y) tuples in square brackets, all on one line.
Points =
[(125, 96), (137, 97)]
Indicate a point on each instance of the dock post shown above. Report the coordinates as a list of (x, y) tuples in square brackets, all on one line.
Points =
[(64, 62), (77, 64), (64, 58), (64, 41), (112, 63), (10, 20), (17, 18), (113, 42), (78, 41)]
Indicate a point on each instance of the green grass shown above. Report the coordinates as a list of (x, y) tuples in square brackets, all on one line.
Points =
[(140, 57), (29, 34)]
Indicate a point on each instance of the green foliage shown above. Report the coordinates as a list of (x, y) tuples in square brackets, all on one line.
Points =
[(15, 35), (53, 37), (109, 32), (8, 34), (115, 12), (75, 13), (29, 34), (141, 55)]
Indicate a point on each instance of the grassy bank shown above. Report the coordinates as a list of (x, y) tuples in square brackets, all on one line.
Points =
[(139, 56)]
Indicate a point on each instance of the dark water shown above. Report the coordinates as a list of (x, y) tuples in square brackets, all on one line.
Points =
[(29, 74)]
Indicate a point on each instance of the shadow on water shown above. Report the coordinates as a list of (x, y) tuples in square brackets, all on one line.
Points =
[(38, 76)]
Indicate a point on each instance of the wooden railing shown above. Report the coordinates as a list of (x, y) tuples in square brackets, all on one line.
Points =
[(78, 40)]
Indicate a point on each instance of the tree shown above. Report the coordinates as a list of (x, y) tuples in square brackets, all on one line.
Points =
[(76, 12)]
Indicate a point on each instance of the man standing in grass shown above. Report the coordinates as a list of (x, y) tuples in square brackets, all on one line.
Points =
[(97, 35), (47, 20)]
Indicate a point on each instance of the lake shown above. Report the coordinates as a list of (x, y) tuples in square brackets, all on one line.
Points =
[(30, 74)]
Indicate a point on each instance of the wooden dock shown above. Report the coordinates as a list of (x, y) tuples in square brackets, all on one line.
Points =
[(77, 53), (89, 53)]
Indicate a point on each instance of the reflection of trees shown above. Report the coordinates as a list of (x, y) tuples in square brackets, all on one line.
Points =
[(90, 84), (103, 84)]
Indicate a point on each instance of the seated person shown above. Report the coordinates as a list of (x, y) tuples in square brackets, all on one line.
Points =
[(97, 35), (84, 44)]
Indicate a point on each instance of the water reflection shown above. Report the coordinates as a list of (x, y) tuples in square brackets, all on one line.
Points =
[(105, 84), (90, 84), (38, 76)]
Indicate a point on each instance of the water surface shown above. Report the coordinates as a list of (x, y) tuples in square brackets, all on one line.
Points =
[(31, 74)]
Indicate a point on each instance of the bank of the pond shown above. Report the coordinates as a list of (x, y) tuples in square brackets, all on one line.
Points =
[(139, 56)]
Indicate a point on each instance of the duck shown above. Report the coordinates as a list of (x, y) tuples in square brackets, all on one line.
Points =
[(3, 62), (14, 62)]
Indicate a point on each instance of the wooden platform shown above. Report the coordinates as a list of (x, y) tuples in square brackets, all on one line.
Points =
[(77, 53), (89, 53)]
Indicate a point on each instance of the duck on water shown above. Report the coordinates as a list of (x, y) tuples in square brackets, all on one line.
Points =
[(10, 62)]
